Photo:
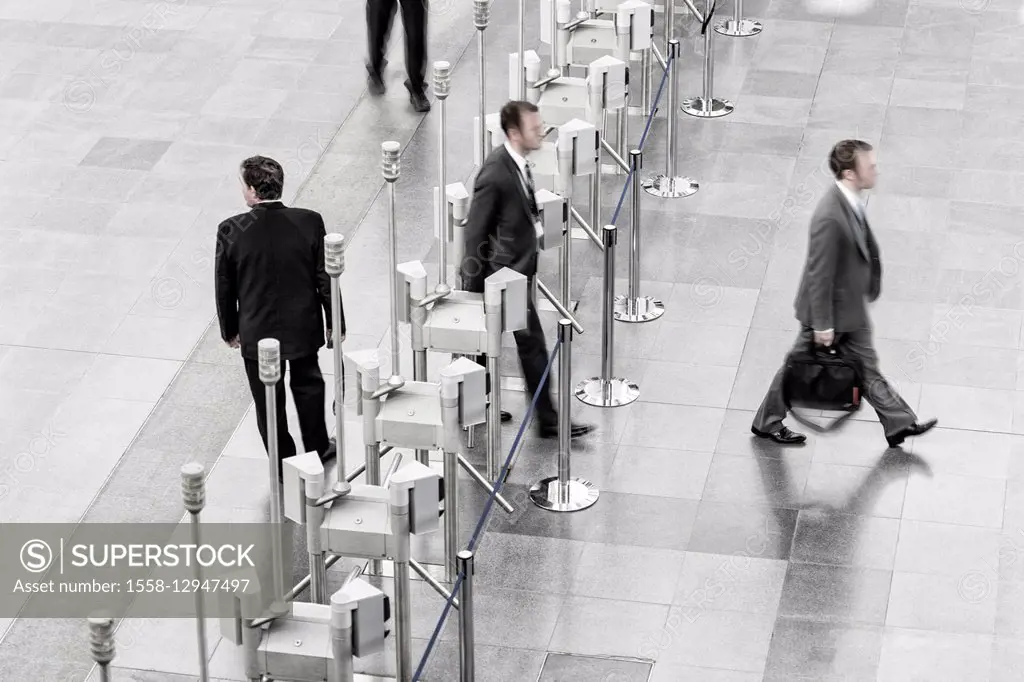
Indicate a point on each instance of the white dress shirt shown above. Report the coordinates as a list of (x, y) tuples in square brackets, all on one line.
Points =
[(855, 201), (521, 165)]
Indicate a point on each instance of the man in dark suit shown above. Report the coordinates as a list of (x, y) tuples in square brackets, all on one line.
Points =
[(271, 283), (380, 14), (842, 274), (502, 232)]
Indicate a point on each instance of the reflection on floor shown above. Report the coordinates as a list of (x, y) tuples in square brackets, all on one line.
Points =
[(709, 557)]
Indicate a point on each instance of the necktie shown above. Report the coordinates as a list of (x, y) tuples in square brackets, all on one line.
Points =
[(531, 191)]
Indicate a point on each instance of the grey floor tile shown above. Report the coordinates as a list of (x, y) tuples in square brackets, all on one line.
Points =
[(920, 654), (657, 472), (522, 562), (827, 537), (606, 572), (718, 639), (940, 603), (730, 583), (743, 530), (126, 154), (835, 594), (810, 650), (586, 626)]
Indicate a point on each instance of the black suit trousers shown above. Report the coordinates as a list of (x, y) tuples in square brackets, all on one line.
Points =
[(533, 358), (310, 396), (380, 15)]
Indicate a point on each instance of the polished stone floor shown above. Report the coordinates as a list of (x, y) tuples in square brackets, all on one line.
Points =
[(709, 557)]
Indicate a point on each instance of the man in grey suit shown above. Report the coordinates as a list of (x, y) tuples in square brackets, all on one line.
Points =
[(842, 274)]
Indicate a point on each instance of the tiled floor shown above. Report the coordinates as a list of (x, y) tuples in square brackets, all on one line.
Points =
[(709, 557)]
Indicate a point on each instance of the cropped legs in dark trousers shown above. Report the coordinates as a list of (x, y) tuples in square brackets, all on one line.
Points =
[(310, 396), (380, 15)]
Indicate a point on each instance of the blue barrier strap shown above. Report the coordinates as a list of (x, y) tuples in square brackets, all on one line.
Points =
[(487, 510), (622, 197), (437, 630), (654, 107), (643, 139), (500, 483)]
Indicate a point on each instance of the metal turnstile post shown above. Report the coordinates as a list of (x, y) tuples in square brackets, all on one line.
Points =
[(562, 493)]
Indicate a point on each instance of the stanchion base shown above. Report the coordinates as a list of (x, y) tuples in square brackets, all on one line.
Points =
[(743, 29), (643, 309), (697, 106), (670, 188), (611, 393), (579, 494)]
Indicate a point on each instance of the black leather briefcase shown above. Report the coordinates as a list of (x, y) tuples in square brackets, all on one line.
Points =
[(822, 379)]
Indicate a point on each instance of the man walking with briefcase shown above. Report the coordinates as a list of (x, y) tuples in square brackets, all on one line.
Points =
[(842, 274)]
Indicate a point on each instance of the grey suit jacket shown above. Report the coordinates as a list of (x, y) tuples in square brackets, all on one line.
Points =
[(843, 273)]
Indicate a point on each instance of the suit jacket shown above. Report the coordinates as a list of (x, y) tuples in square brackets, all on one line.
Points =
[(500, 230), (843, 271), (271, 281)]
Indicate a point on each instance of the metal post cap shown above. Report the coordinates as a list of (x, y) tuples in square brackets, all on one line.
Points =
[(481, 13), (392, 166), (610, 234), (101, 639), (193, 486), (565, 329), (442, 79), (334, 254), (636, 158), (268, 352), (673, 47)]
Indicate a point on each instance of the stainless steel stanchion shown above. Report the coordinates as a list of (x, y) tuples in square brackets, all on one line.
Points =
[(101, 644), (402, 581), (481, 17), (193, 493), (467, 657), (608, 390), (452, 443), (269, 355), (670, 185), (647, 84), (633, 307), (522, 50), (334, 264), (442, 86), (562, 493), (670, 22), (738, 27), (622, 121), (595, 186), (706, 106), (391, 168), (341, 639), (493, 323)]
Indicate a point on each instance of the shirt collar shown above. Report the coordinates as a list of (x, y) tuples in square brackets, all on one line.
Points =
[(851, 197), (520, 161)]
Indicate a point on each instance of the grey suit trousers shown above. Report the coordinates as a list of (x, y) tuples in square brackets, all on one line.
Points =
[(893, 412)]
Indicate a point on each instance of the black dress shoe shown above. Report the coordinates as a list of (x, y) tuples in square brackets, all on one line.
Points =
[(418, 98), (575, 431), (330, 453), (505, 416), (915, 429), (783, 436), (375, 81)]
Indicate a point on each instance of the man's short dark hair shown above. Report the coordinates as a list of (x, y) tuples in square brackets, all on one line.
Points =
[(265, 176), (512, 114), (844, 156)]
